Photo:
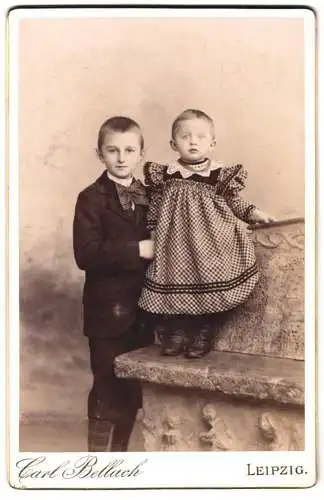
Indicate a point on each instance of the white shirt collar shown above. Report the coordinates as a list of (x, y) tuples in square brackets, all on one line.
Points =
[(123, 182), (185, 172)]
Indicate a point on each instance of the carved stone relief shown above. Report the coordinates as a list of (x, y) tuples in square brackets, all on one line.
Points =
[(278, 437), (171, 432), (162, 434), (151, 433), (266, 430), (218, 437), (272, 240), (273, 315)]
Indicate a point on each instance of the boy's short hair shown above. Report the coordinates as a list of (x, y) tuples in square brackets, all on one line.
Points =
[(189, 114), (118, 124)]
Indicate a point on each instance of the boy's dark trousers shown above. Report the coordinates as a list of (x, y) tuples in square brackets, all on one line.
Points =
[(113, 402)]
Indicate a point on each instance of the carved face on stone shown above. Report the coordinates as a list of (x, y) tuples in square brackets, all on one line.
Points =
[(209, 413)]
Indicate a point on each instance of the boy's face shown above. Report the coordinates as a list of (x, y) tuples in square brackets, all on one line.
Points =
[(194, 140), (121, 153)]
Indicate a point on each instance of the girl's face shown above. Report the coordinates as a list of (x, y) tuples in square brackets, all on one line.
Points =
[(194, 140), (121, 153)]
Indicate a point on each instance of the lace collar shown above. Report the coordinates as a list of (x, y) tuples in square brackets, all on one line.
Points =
[(186, 172)]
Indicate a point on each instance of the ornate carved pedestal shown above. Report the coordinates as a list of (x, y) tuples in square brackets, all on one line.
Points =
[(248, 394)]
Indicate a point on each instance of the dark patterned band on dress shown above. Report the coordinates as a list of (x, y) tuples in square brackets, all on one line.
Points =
[(216, 286)]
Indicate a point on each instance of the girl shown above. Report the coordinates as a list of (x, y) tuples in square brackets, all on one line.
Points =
[(204, 260)]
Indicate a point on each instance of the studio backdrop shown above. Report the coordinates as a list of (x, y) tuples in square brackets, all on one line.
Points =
[(247, 74)]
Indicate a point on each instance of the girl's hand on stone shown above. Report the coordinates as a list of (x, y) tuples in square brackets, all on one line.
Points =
[(257, 216)]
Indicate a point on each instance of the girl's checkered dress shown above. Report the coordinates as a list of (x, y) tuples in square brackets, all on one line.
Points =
[(204, 259)]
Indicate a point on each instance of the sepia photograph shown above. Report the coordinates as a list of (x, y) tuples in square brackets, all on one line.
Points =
[(161, 247)]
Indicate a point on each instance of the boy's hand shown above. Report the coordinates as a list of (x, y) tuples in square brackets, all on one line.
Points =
[(146, 249), (258, 216)]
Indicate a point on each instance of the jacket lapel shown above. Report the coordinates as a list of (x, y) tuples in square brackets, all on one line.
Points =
[(107, 188)]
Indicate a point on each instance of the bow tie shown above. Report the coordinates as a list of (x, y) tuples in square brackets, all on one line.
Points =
[(135, 193)]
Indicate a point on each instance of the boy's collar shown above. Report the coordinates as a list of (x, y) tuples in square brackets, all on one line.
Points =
[(117, 180), (105, 185)]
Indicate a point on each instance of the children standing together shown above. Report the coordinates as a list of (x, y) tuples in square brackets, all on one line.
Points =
[(198, 261)]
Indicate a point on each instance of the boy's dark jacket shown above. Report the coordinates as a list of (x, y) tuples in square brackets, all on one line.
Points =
[(105, 242)]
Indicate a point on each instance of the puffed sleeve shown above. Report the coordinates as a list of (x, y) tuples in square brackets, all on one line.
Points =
[(154, 178), (231, 182)]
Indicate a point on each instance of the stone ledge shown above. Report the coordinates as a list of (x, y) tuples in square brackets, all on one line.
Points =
[(237, 375)]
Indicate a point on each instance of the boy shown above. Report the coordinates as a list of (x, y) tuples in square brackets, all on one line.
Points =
[(111, 244)]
